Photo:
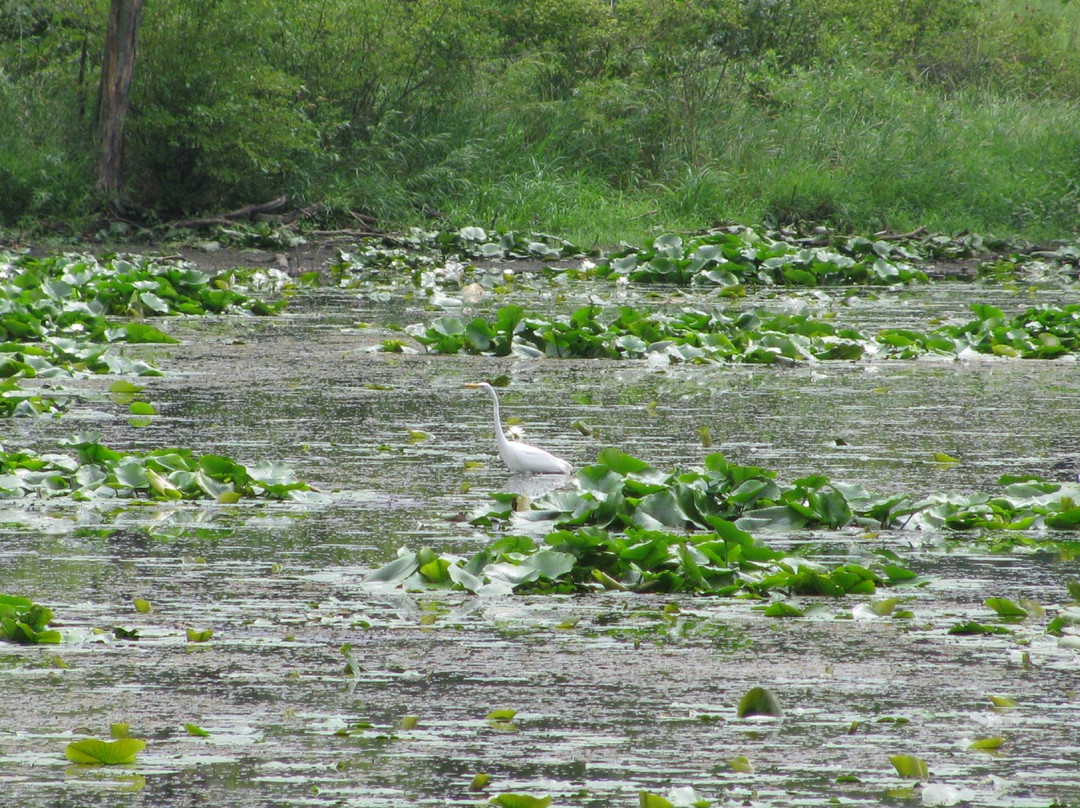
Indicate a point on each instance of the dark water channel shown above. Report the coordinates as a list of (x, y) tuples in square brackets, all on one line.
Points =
[(613, 693)]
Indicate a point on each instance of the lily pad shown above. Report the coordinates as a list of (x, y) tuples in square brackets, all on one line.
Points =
[(92, 751), (759, 701)]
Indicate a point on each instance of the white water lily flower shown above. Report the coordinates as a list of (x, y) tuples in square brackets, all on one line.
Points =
[(941, 794), (683, 795)]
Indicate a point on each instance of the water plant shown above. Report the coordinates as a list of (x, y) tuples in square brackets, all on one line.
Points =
[(23, 621), (95, 471), (54, 315), (693, 335), (739, 255), (628, 526), (621, 491), (95, 752), (66, 289)]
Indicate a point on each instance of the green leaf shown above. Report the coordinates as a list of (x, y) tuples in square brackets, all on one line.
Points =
[(987, 744), (509, 800), (741, 764), (1073, 588), (397, 570), (92, 751), (196, 730), (972, 628), (133, 475), (646, 799), (123, 392), (141, 332), (153, 302), (910, 767), (1005, 607), (782, 609), (197, 635), (759, 701)]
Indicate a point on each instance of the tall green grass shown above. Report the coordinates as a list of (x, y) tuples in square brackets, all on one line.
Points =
[(854, 148)]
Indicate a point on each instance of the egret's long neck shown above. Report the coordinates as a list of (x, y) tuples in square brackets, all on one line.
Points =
[(500, 436)]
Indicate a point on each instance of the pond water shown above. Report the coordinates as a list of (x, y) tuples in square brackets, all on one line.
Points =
[(614, 693)]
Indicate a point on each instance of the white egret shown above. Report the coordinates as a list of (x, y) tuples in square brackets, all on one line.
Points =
[(521, 458)]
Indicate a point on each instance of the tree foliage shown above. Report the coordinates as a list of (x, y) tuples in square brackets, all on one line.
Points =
[(487, 105)]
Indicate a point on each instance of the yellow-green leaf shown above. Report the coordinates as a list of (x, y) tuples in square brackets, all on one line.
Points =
[(910, 766), (92, 751), (1005, 607), (163, 486), (741, 764), (520, 801), (987, 744), (646, 799), (759, 701)]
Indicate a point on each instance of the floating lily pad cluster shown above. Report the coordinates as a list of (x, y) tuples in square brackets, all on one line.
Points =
[(476, 242), (691, 335), (1060, 264), (740, 255), (96, 472), (629, 526), (724, 562), (75, 286), (1040, 332), (421, 249), (54, 316), (620, 491)]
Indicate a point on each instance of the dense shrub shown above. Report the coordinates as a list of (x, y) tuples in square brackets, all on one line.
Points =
[(678, 113)]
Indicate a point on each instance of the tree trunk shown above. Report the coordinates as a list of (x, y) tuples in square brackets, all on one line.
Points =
[(116, 71)]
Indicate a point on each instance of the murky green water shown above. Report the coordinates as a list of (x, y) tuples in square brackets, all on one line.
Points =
[(614, 694)]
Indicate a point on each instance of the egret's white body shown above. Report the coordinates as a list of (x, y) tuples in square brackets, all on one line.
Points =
[(522, 458)]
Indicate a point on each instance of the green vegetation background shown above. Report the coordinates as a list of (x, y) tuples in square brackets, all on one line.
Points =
[(595, 119)]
